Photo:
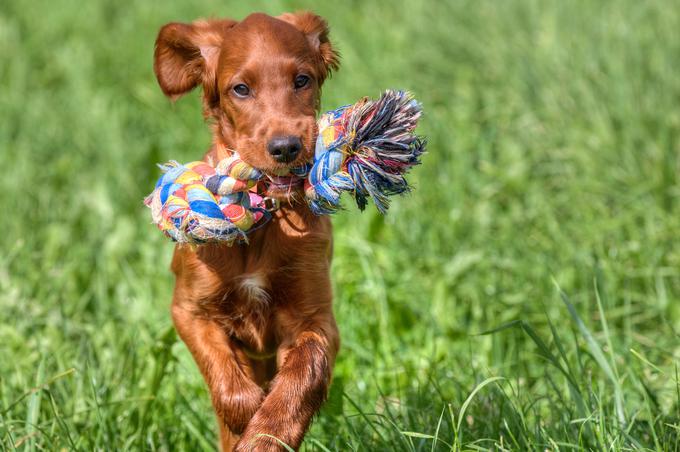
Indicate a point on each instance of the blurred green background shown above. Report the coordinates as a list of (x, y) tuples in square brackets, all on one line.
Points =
[(547, 210)]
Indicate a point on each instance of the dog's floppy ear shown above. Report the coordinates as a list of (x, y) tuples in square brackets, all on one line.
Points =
[(316, 29), (186, 55)]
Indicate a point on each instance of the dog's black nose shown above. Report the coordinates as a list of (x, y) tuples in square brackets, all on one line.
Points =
[(284, 149)]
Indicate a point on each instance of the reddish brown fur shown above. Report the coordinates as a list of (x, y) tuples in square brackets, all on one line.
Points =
[(257, 318)]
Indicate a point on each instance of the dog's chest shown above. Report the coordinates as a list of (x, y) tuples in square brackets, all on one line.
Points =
[(246, 311), (252, 290), (265, 276)]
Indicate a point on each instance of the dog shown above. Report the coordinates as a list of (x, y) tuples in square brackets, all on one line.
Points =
[(258, 317)]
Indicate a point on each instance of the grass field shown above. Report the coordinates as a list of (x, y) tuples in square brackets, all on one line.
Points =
[(546, 214)]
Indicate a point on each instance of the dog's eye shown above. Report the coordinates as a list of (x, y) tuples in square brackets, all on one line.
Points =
[(301, 81), (241, 90)]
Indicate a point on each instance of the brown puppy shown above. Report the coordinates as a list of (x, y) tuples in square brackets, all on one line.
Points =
[(257, 318)]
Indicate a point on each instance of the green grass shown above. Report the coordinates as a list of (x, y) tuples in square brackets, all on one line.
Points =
[(546, 214)]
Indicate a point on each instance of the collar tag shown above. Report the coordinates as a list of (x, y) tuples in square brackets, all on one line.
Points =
[(271, 204)]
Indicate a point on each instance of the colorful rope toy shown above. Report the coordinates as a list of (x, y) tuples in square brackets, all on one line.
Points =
[(364, 149)]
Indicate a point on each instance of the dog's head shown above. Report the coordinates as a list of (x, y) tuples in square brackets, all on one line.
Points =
[(261, 80)]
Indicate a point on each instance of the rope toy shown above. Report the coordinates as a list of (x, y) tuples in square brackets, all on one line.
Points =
[(364, 149)]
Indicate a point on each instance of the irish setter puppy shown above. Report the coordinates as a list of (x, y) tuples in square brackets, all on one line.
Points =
[(258, 317)]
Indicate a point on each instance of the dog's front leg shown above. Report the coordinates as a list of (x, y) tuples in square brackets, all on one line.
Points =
[(235, 396), (299, 387)]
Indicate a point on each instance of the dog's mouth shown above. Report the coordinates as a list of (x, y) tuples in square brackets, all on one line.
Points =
[(285, 181), (284, 185)]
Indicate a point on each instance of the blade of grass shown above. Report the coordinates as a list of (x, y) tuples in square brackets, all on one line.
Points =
[(467, 402), (596, 352)]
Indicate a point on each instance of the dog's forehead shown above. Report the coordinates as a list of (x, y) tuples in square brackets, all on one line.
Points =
[(261, 31), (262, 41)]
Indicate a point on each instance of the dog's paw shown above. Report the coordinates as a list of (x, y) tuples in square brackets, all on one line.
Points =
[(236, 404), (259, 443), (267, 432)]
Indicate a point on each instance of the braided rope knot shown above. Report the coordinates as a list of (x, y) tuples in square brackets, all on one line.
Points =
[(364, 149), (198, 202)]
